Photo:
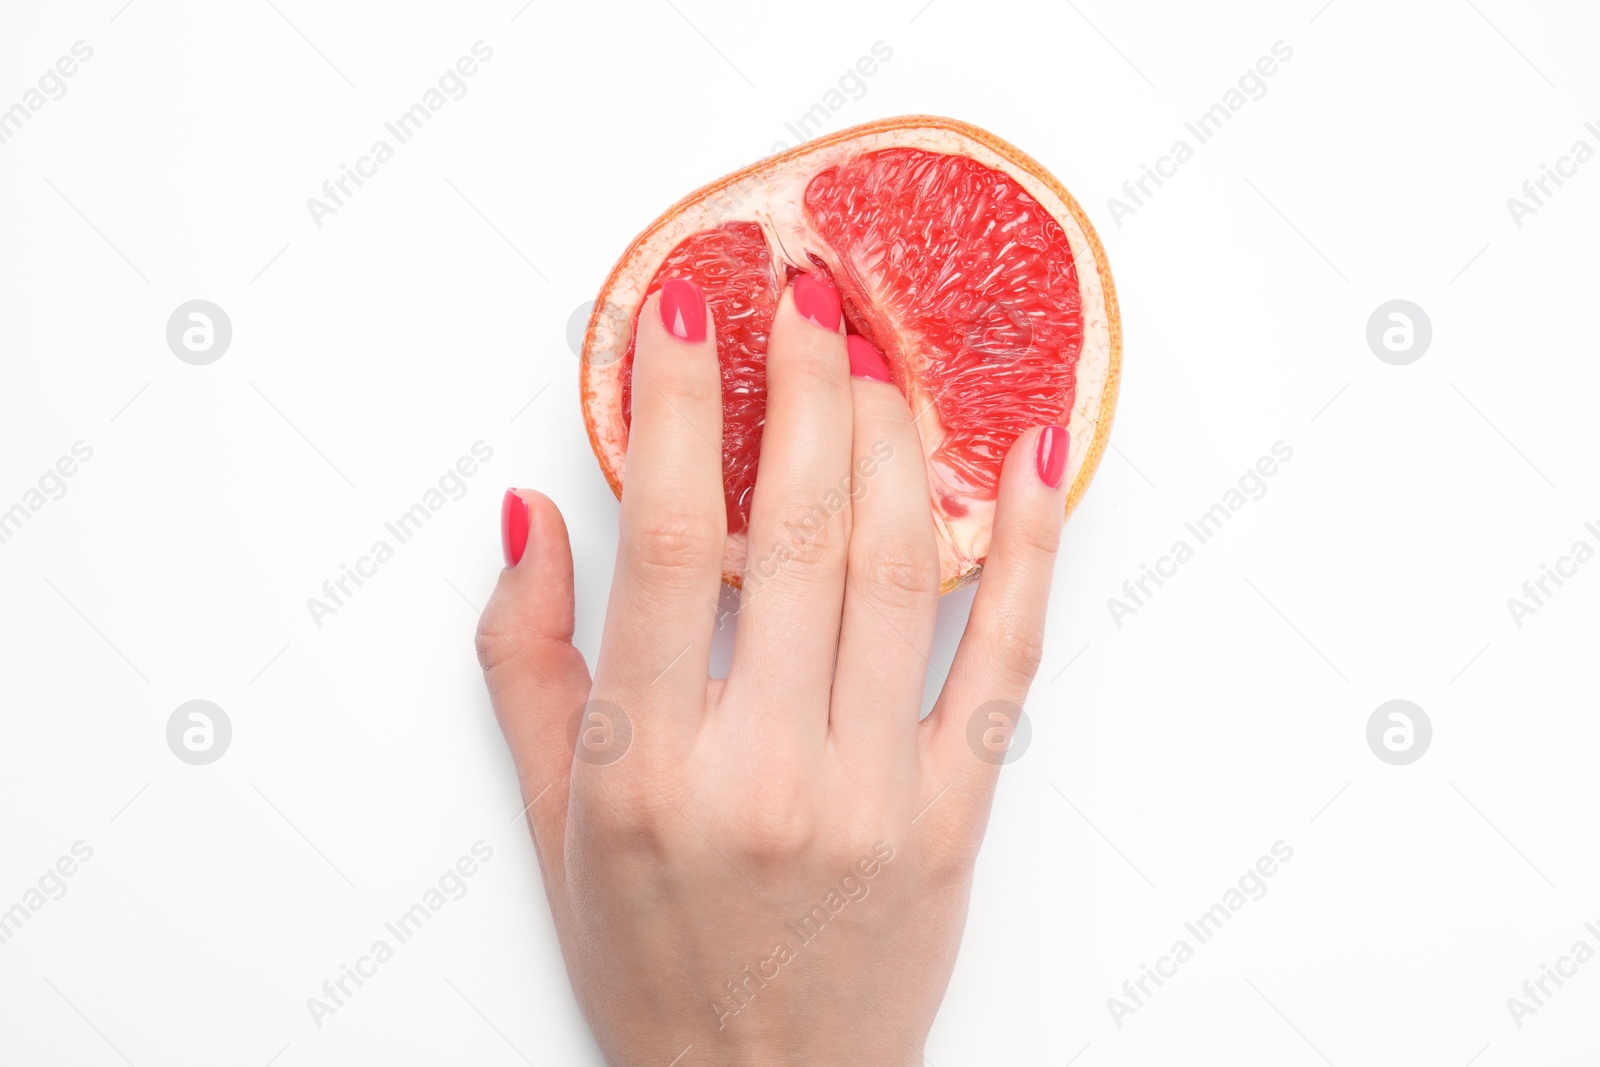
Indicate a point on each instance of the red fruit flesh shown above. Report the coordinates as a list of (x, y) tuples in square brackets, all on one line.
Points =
[(957, 274), (976, 282)]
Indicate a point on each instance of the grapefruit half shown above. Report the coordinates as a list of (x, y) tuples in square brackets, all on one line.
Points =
[(960, 257)]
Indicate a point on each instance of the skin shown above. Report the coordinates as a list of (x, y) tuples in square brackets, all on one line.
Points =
[(705, 819)]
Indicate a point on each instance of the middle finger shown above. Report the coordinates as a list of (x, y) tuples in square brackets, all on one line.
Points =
[(800, 515)]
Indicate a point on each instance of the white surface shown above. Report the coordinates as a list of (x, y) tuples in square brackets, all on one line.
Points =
[(1196, 735)]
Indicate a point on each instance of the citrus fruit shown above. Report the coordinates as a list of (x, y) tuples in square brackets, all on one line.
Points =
[(961, 258)]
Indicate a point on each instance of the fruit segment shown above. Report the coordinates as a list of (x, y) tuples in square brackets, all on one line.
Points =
[(976, 286), (733, 268)]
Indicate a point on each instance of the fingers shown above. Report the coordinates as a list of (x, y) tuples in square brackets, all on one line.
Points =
[(799, 521), (536, 679), (1004, 639), (892, 584), (657, 643)]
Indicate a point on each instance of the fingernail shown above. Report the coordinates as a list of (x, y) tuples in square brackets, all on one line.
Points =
[(683, 310), (817, 301), (515, 518), (865, 360), (1051, 458)]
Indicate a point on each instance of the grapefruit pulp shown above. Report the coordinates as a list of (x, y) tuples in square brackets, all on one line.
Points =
[(962, 259)]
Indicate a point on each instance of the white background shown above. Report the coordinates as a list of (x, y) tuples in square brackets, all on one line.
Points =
[(432, 312)]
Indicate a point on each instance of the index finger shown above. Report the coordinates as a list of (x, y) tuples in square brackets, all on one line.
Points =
[(673, 522)]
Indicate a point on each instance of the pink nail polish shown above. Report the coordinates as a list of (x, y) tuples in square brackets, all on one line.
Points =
[(683, 310), (865, 360), (1051, 458), (817, 301), (515, 519)]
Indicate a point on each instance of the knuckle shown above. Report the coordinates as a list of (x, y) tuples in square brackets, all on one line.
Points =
[(884, 425), (885, 447), (817, 369), (1038, 538), (1016, 644), (494, 648), (953, 856), (512, 652), (775, 834), (685, 385), (631, 826), (496, 638), (670, 539), (899, 571), (810, 534)]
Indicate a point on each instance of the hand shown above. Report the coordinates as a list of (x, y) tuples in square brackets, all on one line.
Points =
[(772, 868)]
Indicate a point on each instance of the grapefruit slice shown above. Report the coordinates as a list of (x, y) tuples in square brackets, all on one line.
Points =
[(962, 259)]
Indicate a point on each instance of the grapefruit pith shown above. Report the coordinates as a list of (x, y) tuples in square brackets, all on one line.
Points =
[(962, 259)]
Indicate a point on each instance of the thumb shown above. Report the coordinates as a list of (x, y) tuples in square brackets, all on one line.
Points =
[(536, 678)]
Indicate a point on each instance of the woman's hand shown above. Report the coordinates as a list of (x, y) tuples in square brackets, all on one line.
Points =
[(772, 868)]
